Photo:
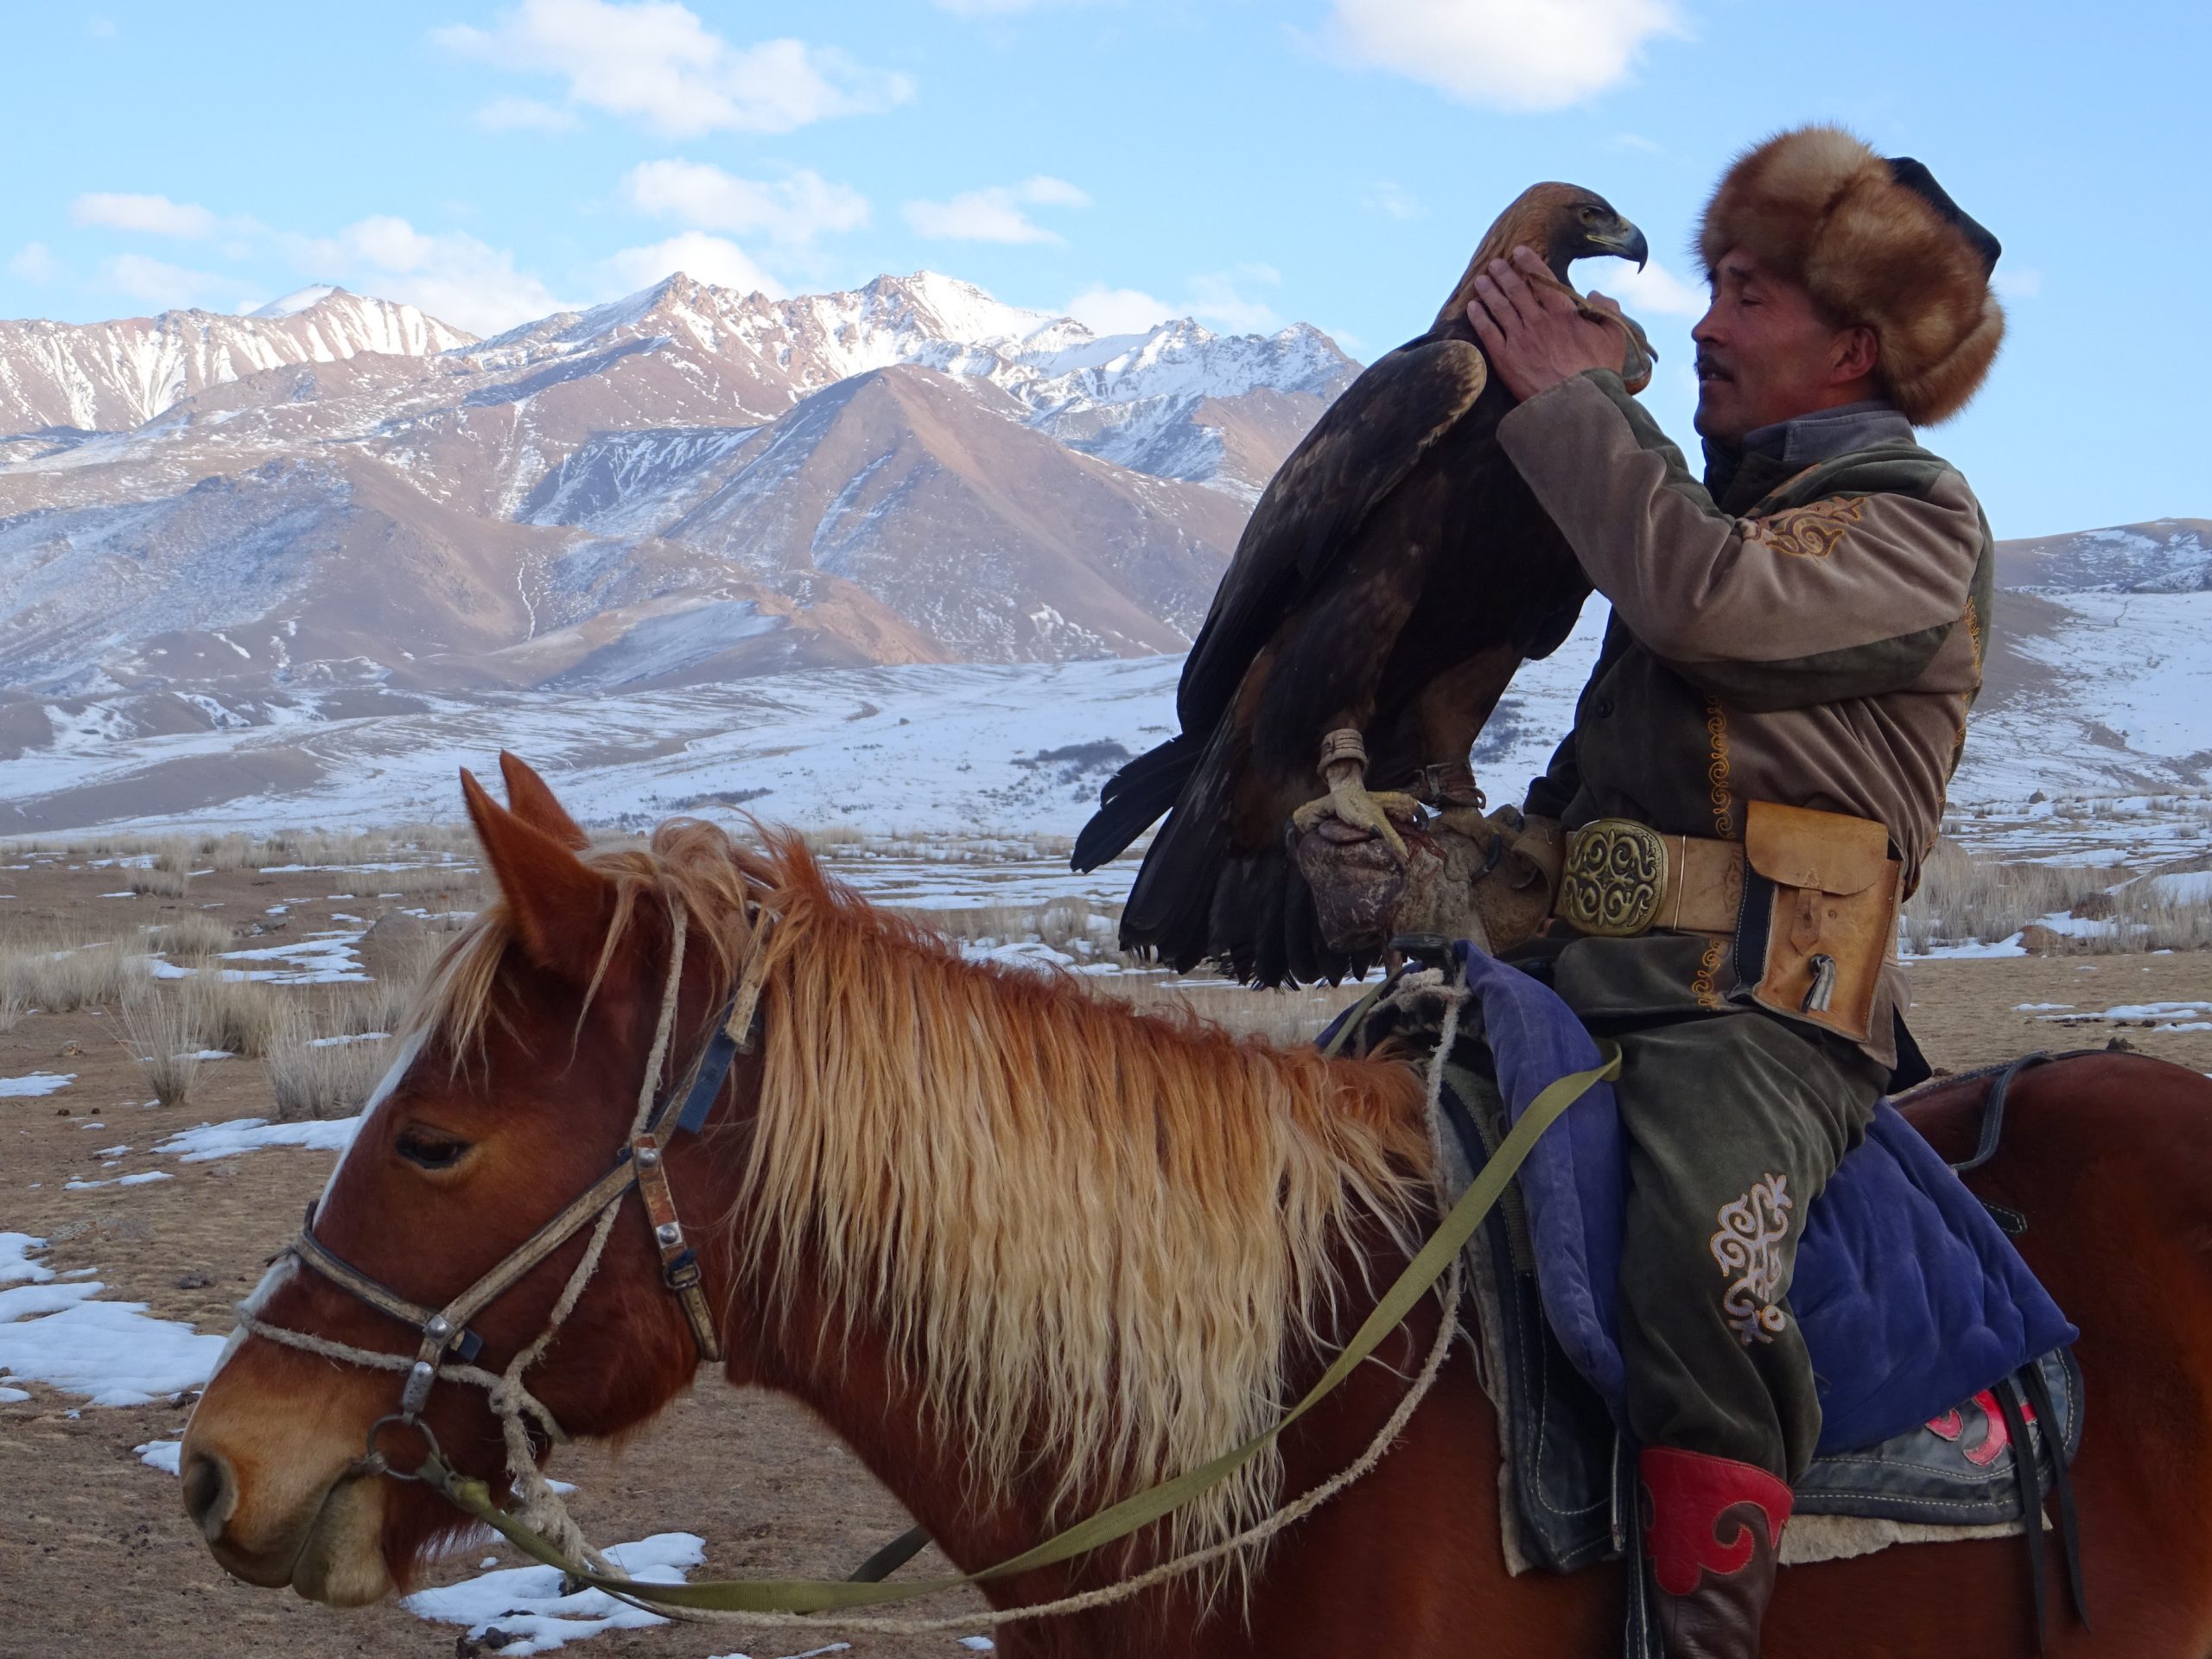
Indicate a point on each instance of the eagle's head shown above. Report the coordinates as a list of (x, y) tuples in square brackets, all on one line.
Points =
[(1563, 223)]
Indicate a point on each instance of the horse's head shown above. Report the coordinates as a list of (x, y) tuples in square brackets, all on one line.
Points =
[(516, 1093)]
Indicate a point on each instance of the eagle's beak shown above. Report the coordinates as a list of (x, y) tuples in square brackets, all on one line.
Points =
[(1628, 242)]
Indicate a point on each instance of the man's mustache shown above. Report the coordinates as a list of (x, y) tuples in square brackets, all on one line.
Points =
[(1711, 368)]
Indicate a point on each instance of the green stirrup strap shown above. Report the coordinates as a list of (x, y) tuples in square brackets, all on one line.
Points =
[(827, 1595)]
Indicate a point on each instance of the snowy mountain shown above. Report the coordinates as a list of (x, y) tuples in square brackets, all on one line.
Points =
[(59, 378), (346, 494), (253, 563)]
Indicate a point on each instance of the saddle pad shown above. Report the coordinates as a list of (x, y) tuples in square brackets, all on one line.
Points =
[(1908, 1296), (1568, 1501)]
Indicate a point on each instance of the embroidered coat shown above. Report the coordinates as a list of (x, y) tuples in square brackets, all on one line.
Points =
[(1806, 627)]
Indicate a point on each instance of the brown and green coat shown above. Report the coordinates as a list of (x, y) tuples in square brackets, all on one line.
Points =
[(1809, 631)]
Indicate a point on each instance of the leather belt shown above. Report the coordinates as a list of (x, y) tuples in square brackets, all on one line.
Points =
[(1622, 879)]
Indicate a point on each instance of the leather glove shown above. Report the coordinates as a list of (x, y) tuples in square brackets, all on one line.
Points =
[(1513, 892)]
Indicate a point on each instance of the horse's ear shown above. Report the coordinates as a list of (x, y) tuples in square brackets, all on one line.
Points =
[(530, 799), (560, 906)]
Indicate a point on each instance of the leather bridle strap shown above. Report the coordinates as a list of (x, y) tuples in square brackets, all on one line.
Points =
[(638, 1163), (447, 1327), (679, 1262)]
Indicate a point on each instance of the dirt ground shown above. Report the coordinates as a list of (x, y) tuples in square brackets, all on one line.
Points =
[(101, 1560)]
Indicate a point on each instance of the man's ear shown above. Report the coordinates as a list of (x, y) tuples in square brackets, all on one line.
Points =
[(530, 799), (560, 906), (1859, 351)]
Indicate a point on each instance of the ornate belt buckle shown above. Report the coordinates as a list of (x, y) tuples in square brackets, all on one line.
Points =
[(1614, 879)]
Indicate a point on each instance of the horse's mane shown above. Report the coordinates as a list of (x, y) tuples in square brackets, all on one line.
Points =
[(1099, 1238)]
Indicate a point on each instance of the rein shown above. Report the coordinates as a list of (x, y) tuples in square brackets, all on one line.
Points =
[(444, 1331)]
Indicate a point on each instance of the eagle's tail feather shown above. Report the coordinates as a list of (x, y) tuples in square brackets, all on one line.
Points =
[(1134, 798)]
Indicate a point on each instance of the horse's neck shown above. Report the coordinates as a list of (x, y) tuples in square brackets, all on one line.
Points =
[(844, 1370)]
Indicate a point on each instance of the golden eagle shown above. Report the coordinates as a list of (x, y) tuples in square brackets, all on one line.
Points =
[(1392, 578)]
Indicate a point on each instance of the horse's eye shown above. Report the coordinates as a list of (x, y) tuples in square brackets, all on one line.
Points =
[(429, 1148)]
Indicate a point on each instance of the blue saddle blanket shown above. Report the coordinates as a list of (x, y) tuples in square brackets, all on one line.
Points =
[(1910, 1297)]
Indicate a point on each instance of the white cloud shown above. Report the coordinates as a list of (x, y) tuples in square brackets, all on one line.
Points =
[(1515, 55), (1106, 310), (1214, 297), (995, 213), (1218, 296), (155, 215), (2022, 285), (793, 210), (1653, 290), (157, 283), (1392, 201), (35, 262), (710, 259), (523, 114), (656, 62), (451, 274)]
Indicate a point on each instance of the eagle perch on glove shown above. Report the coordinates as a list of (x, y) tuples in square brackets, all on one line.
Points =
[(1394, 575)]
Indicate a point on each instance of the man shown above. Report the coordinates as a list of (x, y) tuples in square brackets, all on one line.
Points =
[(1755, 773)]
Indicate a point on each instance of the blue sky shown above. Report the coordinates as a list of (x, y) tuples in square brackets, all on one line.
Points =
[(1332, 161)]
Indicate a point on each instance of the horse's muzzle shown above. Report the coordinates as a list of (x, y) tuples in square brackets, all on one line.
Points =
[(321, 1536)]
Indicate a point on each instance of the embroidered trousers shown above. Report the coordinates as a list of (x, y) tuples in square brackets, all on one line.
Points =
[(1735, 1122)]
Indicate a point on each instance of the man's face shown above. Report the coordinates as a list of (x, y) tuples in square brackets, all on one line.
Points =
[(1765, 353)]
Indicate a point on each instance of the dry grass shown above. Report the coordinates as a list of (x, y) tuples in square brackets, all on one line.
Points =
[(241, 1015), (2145, 919), (161, 883), (159, 1029), (1964, 900), (385, 1003), (190, 938), (58, 974), (315, 1079), (456, 886)]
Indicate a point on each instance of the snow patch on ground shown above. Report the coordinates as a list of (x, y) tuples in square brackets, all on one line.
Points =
[(160, 1454), (36, 1082), (325, 959), (16, 1258), (109, 1351), (526, 1603), (208, 1140), (140, 1179)]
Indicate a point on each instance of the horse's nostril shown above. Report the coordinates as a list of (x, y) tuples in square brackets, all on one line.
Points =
[(210, 1493)]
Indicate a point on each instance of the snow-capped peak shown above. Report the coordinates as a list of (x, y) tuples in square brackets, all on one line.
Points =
[(297, 300), (960, 311)]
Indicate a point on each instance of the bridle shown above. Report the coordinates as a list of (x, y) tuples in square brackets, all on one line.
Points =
[(446, 1345), (541, 1526)]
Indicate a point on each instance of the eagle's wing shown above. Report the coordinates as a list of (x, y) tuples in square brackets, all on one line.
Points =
[(1360, 448)]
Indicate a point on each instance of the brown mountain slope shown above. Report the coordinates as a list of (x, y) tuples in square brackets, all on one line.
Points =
[(1001, 543)]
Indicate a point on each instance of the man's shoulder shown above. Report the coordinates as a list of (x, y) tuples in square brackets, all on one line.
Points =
[(1893, 466)]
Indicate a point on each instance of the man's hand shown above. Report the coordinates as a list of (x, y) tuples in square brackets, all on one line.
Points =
[(1532, 331)]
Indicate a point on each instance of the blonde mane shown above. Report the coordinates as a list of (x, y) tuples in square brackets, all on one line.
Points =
[(1098, 1239)]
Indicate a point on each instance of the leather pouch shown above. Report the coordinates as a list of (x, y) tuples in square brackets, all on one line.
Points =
[(1819, 913)]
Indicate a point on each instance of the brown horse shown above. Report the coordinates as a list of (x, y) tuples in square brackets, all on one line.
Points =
[(1026, 1250)]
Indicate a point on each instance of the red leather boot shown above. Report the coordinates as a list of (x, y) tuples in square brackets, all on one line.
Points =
[(1712, 1527)]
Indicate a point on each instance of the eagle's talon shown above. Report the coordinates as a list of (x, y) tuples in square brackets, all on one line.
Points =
[(1351, 803)]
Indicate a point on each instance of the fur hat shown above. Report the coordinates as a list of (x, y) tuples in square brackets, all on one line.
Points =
[(1876, 242)]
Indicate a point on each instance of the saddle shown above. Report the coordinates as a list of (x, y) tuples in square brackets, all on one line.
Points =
[(1951, 1401)]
